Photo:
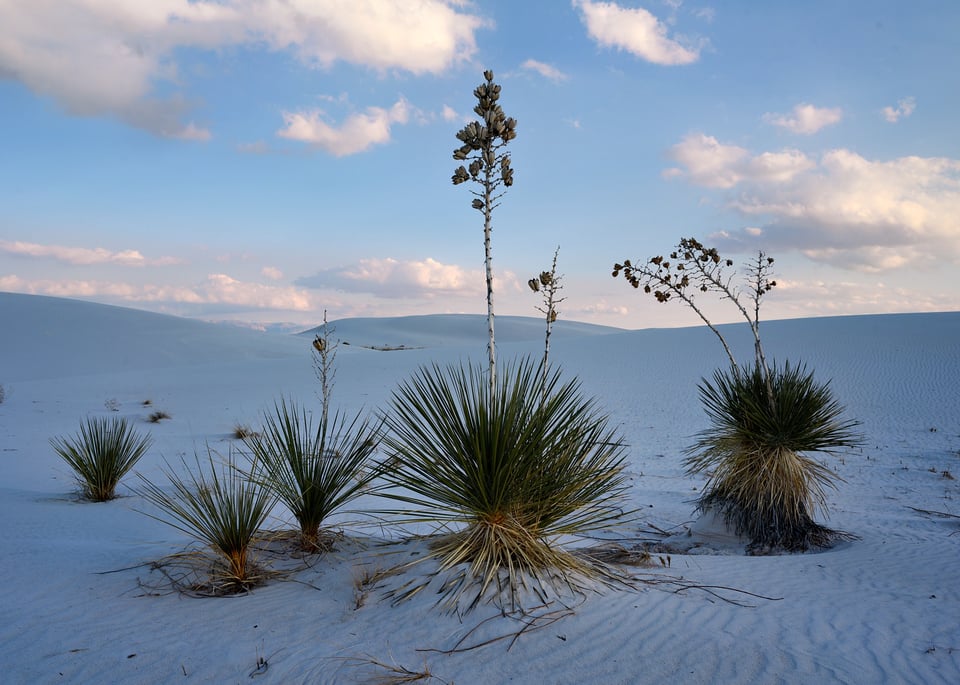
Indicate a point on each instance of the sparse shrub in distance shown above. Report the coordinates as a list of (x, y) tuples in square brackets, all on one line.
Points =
[(763, 418), (101, 455), (158, 416), (111, 404), (218, 505), (243, 432), (3, 394), (313, 471), (507, 473)]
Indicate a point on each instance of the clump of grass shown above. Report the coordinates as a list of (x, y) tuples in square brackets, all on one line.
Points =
[(158, 416), (103, 453), (510, 472), (3, 394), (760, 480), (244, 432), (217, 505), (313, 471)]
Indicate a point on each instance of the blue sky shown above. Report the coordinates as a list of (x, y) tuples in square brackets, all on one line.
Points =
[(265, 160)]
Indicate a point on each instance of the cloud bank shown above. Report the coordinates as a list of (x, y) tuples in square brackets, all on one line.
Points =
[(840, 208), (104, 57), (398, 279), (82, 256)]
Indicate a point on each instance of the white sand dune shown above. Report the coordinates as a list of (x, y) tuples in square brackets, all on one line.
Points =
[(76, 575), (451, 329)]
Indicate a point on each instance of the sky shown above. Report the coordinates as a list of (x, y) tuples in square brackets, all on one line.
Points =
[(266, 161)]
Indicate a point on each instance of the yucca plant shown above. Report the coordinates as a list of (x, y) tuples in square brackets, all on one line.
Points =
[(220, 507), (763, 419), (313, 471), (103, 453), (761, 480), (506, 474)]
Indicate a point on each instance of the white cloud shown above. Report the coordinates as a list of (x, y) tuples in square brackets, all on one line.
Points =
[(105, 57), (398, 279), (271, 272), (707, 162), (545, 70), (903, 109), (601, 307), (806, 119), (708, 14), (217, 289), (358, 132), (222, 289), (83, 256), (420, 36), (192, 132), (635, 30), (390, 277), (799, 298), (450, 114), (842, 209)]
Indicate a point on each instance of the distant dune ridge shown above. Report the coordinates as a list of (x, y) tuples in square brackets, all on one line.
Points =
[(450, 329), (880, 609)]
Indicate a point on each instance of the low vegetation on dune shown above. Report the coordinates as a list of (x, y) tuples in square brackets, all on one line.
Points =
[(764, 419), (104, 452), (216, 504), (506, 473), (314, 471)]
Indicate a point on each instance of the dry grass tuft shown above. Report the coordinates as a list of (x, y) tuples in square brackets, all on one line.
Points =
[(244, 432), (217, 505)]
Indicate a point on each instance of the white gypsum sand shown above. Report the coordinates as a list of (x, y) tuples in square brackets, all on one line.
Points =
[(81, 603)]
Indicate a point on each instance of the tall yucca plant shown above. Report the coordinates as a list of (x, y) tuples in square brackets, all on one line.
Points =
[(313, 471), (103, 453), (510, 472), (761, 480), (219, 506), (484, 147)]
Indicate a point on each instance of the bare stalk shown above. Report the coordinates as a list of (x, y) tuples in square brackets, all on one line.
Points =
[(695, 267), (548, 283), (324, 354)]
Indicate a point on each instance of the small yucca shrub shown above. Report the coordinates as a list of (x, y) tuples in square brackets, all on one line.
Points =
[(313, 472), (509, 472), (761, 480), (103, 453), (217, 505)]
